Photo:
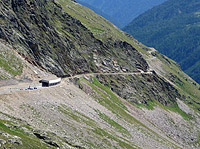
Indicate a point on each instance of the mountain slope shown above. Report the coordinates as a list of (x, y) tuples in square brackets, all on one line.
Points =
[(98, 11), (56, 41), (173, 29), (123, 11), (116, 93)]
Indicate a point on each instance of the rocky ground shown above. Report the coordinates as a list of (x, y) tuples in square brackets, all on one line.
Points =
[(75, 116), (62, 110), (117, 93), (77, 113)]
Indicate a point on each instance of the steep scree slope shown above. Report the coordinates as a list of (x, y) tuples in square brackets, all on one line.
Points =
[(150, 109)]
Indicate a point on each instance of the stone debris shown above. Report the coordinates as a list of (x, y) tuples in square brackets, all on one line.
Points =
[(2, 141)]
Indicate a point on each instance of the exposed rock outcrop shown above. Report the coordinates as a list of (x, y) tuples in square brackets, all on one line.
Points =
[(61, 44)]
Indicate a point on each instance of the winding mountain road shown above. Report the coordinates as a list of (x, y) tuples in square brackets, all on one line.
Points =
[(108, 74), (26, 86)]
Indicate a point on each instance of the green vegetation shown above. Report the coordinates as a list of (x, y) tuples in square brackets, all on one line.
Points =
[(87, 43), (176, 109), (106, 99), (113, 123), (121, 12), (109, 102), (96, 30), (123, 144), (27, 140), (77, 116), (185, 85), (100, 27), (173, 29), (149, 105), (80, 118), (198, 139), (9, 62), (114, 98)]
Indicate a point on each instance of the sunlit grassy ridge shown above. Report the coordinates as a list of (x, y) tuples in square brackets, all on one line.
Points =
[(101, 28), (188, 88)]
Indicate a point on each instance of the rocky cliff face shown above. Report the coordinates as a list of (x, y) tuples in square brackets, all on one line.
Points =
[(52, 39), (49, 37), (142, 88), (126, 95)]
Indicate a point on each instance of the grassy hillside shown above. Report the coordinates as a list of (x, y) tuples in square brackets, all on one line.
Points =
[(101, 28), (120, 94), (99, 12), (173, 29), (123, 11), (10, 64)]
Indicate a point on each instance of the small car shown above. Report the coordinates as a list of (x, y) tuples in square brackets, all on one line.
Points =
[(30, 88)]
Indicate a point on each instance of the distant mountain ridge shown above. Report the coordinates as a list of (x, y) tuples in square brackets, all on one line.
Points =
[(98, 11), (173, 28), (123, 11)]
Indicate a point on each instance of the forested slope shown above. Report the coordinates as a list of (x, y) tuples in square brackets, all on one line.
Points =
[(173, 28), (124, 11)]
